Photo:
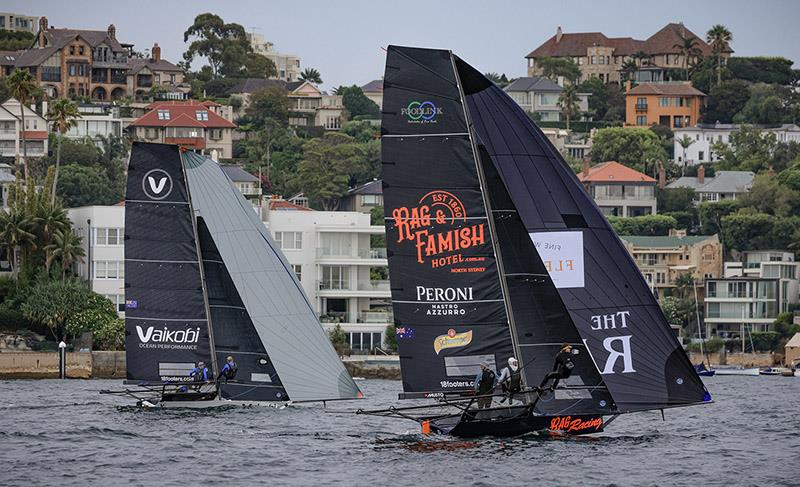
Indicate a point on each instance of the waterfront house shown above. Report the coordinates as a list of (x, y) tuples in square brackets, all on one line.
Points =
[(675, 105), (724, 185), (36, 136), (363, 198), (539, 95), (619, 190), (704, 136)]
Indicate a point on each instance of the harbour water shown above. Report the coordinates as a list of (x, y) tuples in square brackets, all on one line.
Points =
[(64, 433)]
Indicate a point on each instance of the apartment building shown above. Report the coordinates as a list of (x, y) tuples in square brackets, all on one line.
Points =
[(18, 22), (752, 293), (539, 95), (724, 185), (619, 190), (344, 277), (675, 105), (96, 120), (190, 124), (599, 56), (287, 65), (102, 229), (702, 138), (663, 259), (11, 128)]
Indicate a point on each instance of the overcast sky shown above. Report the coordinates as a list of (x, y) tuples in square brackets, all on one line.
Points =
[(343, 38)]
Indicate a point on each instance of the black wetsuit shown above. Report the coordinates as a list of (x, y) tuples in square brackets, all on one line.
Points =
[(562, 368)]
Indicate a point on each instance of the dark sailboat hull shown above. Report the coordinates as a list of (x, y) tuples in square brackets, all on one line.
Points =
[(512, 421)]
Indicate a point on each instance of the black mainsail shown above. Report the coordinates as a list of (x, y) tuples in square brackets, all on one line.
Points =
[(547, 268), (233, 280)]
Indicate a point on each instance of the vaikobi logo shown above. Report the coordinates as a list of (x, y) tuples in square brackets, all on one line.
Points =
[(152, 337), (157, 184), (421, 112)]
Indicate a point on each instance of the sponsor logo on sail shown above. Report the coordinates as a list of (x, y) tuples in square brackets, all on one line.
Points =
[(616, 348), (452, 340), (444, 301), (152, 337), (457, 384), (442, 247), (131, 304), (157, 184), (421, 112), (570, 424), (562, 255)]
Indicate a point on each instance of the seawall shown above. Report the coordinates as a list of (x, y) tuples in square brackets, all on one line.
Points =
[(764, 359)]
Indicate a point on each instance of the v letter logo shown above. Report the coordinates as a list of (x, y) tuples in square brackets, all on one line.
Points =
[(157, 188)]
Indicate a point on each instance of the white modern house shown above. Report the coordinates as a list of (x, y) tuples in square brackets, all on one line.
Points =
[(345, 278), (11, 131), (752, 293), (539, 95), (96, 121), (103, 231), (704, 136), (287, 65)]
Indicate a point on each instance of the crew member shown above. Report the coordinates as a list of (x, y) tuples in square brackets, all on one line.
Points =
[(510, 380), (228, 372), (562, 368), (484, 385), (200, 373)]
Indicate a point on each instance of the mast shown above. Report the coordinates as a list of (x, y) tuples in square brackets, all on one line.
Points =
[(212, 345), (490, 221)]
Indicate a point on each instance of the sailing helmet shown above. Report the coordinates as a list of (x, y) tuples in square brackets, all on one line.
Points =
[(512, 362)]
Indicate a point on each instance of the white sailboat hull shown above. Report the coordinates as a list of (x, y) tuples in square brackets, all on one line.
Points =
[(751, 371), (213, 403)]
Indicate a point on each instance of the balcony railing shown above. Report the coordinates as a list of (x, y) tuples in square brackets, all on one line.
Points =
[(375, 317), (378, 253), (641, 107), (334, 285), (374, 286)]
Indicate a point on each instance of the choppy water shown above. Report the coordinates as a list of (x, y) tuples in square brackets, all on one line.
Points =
[(63, 433)]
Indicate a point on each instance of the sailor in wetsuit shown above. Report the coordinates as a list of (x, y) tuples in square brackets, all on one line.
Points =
[(484, 385), (510, 380), (562, 368), (228, 372), (200, 374)]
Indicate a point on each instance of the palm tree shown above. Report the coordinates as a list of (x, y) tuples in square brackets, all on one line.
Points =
[(640, 57), (15, 233), (688, 50), (66, 246), (568, 101), (50, 218), (629, 67), (63, 113), (22, 86), (312, 75), (685, 142), (719, 37)]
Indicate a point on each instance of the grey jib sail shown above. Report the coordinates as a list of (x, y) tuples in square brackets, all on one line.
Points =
[(566, 277), (258, 312)]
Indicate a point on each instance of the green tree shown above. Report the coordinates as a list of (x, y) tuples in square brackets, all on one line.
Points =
[(338, 339), (771, 70), (499, 79), (671, 306), (391, 338), (66, 247), (357, 103), (23, 87), (224, 45), (270, 103), (50, 219), (63, 114), (629, 67), (719, 37), (568, 102), (685, 142), (712, 213), (689, 49), (767, 104), (84, 186), (638, 148), (16, 234), (326, 169), (753, 149), (648, 225), (747, 230), (361, 130), (674, 199), (311, 75), (553, 67), (15, 40), (96, 315), (725, 101), (54, 303), (768, 195)]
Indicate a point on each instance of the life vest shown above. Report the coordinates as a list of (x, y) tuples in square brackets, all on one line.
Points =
[(229, 371), (515, 381), (199, 374), (487, 382)]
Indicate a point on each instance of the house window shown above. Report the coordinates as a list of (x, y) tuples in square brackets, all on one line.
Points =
[(580, 61), (701, 155), (677, 121), (594, 60), (172, 78), (298, 271), (108, 236), (371, 199), (663, 101), (163, 114), (289, 240), (216, 134), (678, 101), (71, 50), (201, 115), (335, 277), (641, 120), (150, 133), (80, 50), (109, 269), (686, 121), (602, 60), (688, 102)]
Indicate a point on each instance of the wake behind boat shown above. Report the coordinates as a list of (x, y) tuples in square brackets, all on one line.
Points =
[(496, 251), (205, 281)]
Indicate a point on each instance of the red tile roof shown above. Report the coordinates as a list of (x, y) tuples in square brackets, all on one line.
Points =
[(662, 42), (614, 171), (283, 205), (181, 115), (673, 89)]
